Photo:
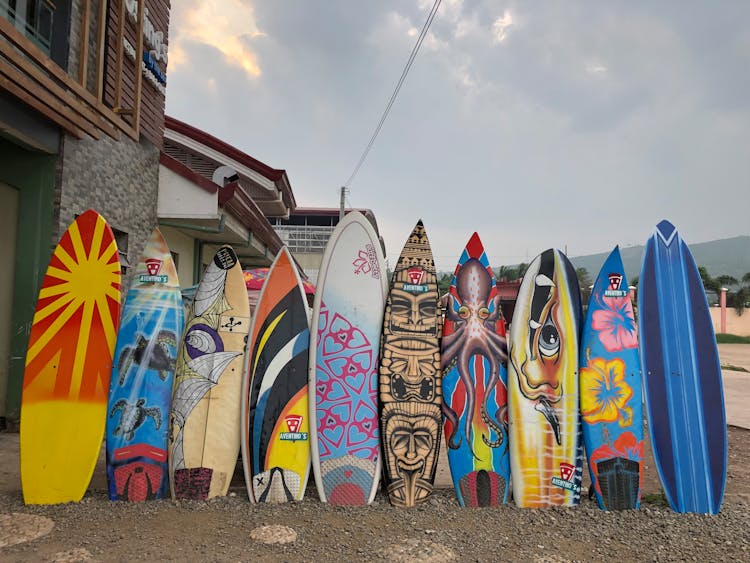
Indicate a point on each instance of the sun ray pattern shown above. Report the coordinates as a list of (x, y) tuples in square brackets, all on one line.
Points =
[(68, 363)]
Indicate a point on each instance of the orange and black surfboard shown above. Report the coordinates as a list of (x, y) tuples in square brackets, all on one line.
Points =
[(68, 364)]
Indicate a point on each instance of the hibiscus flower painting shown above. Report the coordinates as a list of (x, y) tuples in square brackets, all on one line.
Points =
[(615, 324), (605, 393)]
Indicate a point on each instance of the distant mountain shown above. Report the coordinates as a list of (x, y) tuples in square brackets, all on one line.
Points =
[(729, 256)]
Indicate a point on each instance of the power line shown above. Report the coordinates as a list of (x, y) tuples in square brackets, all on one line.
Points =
[(400, 83)]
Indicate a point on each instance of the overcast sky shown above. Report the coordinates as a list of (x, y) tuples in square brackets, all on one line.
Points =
[(535, 123)]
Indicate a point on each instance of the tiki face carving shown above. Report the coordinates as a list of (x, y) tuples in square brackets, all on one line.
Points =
[(413, 372), (411, 453), (413, 313)]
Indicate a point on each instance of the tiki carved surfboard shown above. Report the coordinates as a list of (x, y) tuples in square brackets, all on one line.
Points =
[(410, 387)]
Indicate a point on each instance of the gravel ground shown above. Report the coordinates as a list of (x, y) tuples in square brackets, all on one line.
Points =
[(231, 529)]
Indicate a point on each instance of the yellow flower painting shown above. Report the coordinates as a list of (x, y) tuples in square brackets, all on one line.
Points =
[(605, 393)]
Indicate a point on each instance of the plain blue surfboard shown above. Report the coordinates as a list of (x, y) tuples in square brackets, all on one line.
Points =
[(611, 390), (682, 376)]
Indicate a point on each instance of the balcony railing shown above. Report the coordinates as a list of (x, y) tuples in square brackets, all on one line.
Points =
[(304, 239)]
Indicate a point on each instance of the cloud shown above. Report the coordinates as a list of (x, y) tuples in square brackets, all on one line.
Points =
[(228, 26), (583, 126), (501, 25)]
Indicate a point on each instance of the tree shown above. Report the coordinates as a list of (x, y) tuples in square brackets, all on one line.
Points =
[(584, 278), (635, 280), (709, 283), (505, 273), (510, 273), (444, 283), (725, 280)]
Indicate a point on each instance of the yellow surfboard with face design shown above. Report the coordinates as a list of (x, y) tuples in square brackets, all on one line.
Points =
[(546, 454)]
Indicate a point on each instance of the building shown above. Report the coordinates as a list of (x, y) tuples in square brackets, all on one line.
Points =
[(211, 193), (306, 232), (82, 86)]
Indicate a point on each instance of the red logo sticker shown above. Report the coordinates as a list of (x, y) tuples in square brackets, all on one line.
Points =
[(153, 266), (415, 275), (614, 281), (566, 471), (293, 422)]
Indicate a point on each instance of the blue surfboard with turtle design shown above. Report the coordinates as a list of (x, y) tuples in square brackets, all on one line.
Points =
[(682, 376), (140, 392), (610, 386)]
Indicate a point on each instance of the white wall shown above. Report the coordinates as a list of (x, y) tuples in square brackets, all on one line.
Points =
[(184, 246), (181, 198)]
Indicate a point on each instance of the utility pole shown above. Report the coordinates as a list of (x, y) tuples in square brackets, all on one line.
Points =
[(342, 203)]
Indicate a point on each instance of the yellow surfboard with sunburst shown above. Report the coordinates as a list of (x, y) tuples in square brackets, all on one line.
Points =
[(68, 364)]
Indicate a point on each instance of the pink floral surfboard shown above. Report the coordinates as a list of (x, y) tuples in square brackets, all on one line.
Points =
[(344, 347)]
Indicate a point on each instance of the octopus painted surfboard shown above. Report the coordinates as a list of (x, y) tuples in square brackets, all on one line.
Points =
[(610, 384), (275, 413), (546, 447), (204, 439), (682, 376), (344, 347), (140, 393), (475, 399), (68, 363), (409, 375)]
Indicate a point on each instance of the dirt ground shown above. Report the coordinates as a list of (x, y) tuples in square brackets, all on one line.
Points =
[(220, 530)]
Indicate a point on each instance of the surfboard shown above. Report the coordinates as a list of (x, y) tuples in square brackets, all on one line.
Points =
[(475, 398), (275, 413), (344, 346), (140, 392), (68, 363), (205, 417), (409, 375), (546, 448), (611, 391), (682, 376)]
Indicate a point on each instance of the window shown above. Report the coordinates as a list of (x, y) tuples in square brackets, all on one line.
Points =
[(33, 17), (121, 238)]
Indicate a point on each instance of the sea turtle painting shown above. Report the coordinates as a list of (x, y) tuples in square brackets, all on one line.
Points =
[(160, 359), (133, 416)]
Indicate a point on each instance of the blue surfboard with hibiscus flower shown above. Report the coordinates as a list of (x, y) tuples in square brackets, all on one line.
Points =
[(611, 394)]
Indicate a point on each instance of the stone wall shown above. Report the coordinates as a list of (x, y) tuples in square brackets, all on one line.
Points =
[(119, 179)]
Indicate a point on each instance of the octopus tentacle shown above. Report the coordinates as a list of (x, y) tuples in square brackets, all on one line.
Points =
[(498, 347), (471, 396), (496, 425), (452, 417)]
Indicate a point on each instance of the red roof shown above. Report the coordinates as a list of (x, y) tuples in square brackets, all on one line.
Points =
[(279, 177)]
